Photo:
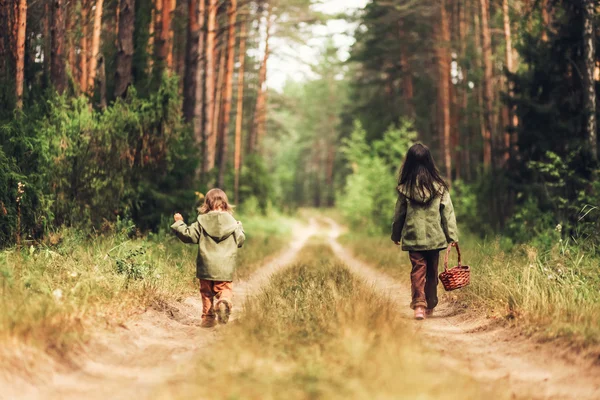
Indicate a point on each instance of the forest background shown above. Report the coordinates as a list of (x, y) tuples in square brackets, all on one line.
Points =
[(120, 112)]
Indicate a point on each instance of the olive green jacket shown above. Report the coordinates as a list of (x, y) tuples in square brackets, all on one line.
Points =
[(426, 222), (218, 236)]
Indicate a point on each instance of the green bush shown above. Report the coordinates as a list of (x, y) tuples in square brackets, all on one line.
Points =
[(368, 197)]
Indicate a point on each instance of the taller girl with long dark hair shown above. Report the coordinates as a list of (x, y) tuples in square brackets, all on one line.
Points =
[(425, 223)]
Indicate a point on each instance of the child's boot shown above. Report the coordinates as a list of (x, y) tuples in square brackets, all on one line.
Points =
[(223, 308), (208, 321), (419, 313)]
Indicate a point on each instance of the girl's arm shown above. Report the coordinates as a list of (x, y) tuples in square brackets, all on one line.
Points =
[(187, 234), (240, 236), (448, 218), (399, 218)]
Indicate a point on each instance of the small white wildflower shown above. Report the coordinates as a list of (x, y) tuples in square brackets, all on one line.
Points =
[(545, 269), (157, 276), (58, 294), (560, 271), (73, 274), (550, 277), (531, 266), (558, 228)]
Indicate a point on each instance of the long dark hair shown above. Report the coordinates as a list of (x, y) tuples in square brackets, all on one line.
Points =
[(419, 175)]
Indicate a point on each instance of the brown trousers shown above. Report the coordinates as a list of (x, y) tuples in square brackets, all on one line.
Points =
[(424, 278), (211, 289)]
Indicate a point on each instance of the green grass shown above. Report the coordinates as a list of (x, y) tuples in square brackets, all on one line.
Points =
[(552, 294), (51, 296), (317, 332)]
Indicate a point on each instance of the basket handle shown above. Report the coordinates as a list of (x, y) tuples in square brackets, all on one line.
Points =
[(453, 244)]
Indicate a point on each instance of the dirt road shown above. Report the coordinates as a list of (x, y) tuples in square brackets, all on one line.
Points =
[(473, 345), (148, 351)]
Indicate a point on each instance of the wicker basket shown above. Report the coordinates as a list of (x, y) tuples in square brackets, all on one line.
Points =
[(457, 277)]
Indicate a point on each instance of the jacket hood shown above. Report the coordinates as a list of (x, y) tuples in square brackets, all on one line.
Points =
[(219, 225), (421, 197)]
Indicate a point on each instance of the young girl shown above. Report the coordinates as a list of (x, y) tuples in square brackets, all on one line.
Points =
[(425, 223), (218, 236)]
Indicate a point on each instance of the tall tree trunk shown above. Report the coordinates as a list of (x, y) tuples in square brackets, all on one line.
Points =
[(57, 66), (510, 134), (219, 102), (20, 67), (407, 79), (210, 140), (444, 88), (83, 44), (260, 111), (545, 19), (239, 115), (232, 16), (160, 43), (71, 19), (95, 49), (167, 32), (192, 59), (123, 77), (589, 57), (488, 85)]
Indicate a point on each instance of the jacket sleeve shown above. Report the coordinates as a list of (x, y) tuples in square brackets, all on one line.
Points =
[(240, 236), (448, 218), (187, 234), (399, 218)]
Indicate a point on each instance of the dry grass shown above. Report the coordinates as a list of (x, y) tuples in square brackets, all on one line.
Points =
[(551, 295), (52, 296), (316, 332)]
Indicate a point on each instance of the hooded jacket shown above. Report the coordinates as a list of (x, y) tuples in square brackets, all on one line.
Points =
[(218, 236), (425, 221)]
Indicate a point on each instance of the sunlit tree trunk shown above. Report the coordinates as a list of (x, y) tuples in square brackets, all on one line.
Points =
[(239, 115), (227, 96), (444, 87), (192, 58), (95, 48), (260, 112), (488, 84), (57, 66), (123, 74), (159, 43), (83, 44), (199, 109), (71, 23), (20, 64), (589, 56), (167, 32), (210, 140), (217, 131)]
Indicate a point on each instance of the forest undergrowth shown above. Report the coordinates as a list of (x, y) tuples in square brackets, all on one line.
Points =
[(549, 294), (54, 294), (311, 332)]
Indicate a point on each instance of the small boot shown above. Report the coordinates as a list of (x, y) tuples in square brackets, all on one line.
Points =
[(419, 313), (429, 312), (208, 321), (223, 307)]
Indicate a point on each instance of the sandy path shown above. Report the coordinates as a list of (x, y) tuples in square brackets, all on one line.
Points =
[(527, 369), (148, 351)]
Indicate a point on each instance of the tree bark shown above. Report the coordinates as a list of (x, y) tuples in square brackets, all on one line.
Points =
[(239, 115), (57, 66), (167, 32), (488, 85), (227, 96), (444, 88), (512, 120), (83, 43), (95, 49), (210, 140), (218, 103), (71, 17), (20, 65), (123, 74), (192, 59), (260, 111), (589, 56)]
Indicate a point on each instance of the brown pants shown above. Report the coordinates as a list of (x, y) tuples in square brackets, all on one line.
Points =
[(211, 289), (424, 278)]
